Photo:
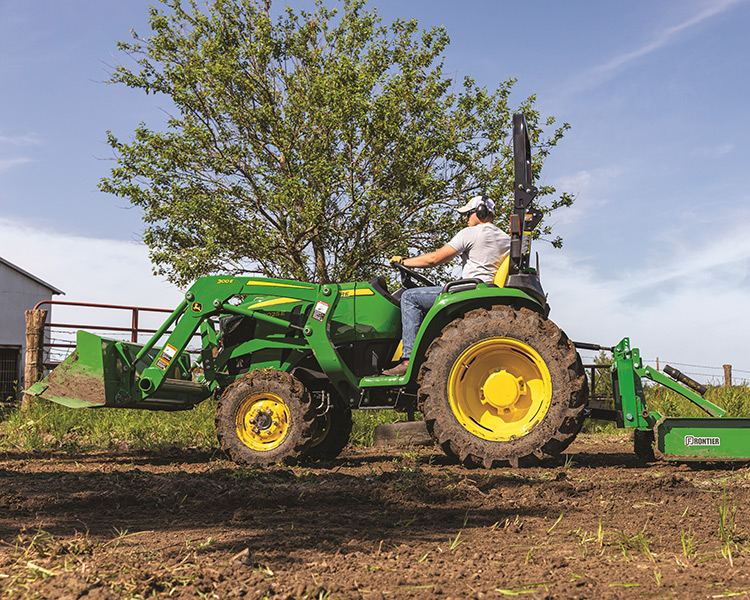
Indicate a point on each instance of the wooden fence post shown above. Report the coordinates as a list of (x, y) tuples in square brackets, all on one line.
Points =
[(727, 375), (34, 360)]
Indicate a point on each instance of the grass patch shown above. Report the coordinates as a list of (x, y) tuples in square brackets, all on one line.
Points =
[(365, 422), (46, 425), (49, 426), (734, 399)]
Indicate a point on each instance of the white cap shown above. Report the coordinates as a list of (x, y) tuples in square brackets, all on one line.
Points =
[(475, 202)]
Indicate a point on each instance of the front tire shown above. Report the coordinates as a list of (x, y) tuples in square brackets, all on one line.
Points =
[(265, 417), (502, 386)]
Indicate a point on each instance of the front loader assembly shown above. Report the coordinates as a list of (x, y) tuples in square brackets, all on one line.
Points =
[(113, 373)]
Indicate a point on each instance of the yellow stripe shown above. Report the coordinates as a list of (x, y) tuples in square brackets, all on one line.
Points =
[(359, 292), (273, 302), (286, 285)]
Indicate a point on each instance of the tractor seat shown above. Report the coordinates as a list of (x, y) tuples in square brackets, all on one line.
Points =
[(460, 285), (502, 272), (381, 287)]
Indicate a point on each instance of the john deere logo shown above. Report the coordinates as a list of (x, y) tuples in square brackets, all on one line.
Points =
[(196, 307)]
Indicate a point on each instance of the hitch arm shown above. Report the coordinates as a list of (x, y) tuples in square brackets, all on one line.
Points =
[(708, 407)]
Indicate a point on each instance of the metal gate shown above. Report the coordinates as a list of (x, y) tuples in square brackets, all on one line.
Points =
[(9, 361)]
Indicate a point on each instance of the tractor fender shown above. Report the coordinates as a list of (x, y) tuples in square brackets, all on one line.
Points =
[(451, 305)]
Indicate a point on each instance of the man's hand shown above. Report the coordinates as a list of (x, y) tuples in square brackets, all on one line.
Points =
[(397, 259)]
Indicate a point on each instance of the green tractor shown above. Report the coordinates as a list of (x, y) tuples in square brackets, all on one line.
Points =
[(496, 380)]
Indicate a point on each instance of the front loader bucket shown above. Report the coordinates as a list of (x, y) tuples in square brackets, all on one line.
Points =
[(98, 373), (78, 381)]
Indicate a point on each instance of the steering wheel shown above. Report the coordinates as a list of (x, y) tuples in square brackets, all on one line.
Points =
[(409, 277)]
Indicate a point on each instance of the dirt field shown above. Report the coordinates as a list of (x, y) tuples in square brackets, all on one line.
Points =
[(373, 524)]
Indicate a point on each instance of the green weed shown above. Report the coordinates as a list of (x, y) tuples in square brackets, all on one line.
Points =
[(689, 545), (727, 516), (562, 514), (582, 540), (638, 542), (455, 542)]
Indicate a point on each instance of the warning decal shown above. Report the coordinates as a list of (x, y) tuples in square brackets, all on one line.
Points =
[(320, 310), (167, 354)]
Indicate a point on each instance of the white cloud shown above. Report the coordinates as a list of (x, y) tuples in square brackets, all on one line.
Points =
[(9, 162), (686, 306), (591, 188), (19, 140), (87, 269), (90, 270), (588, 182), (600, 73), (715, 152), (6, 164)]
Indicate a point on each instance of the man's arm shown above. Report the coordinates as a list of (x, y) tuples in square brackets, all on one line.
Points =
[(432, 259)]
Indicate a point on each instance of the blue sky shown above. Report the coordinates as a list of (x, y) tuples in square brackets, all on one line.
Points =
[(657, 245)]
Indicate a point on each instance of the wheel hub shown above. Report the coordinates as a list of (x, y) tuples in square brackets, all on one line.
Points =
[(263, 422), (502, 390)]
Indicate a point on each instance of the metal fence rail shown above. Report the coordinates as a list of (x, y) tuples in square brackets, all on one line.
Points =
[(59, 335)]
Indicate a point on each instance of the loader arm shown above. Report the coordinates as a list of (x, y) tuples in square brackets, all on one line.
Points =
[(210, 297)]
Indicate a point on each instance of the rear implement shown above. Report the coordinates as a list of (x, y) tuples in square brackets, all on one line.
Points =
[(711, 438)]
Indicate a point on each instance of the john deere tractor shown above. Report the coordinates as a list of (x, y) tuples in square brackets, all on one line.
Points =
[(496, 380)]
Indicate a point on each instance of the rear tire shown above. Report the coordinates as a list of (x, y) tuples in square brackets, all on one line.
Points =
[(502, 386), (265, 417), (332, 435)]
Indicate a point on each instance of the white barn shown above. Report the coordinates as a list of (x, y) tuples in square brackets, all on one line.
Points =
[(19, 291)]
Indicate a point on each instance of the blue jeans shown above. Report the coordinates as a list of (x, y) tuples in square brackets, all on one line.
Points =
[(415, 303)]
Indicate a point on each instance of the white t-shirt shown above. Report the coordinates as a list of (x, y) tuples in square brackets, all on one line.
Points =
[(482, 248)]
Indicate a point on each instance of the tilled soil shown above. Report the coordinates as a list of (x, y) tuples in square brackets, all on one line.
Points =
[(375, 523)]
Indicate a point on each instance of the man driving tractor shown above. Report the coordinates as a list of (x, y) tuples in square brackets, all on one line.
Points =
[(482, 247)]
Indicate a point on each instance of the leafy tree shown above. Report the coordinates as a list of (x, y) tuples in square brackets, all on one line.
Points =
[(308, 146)]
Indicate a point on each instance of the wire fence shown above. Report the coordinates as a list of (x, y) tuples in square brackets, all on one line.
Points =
[(714, 374)]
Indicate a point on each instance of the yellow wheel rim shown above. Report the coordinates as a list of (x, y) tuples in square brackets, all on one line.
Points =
[(262, 421), (499, 389)]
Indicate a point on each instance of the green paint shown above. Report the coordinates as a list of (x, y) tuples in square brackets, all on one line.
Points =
[(703, 438)]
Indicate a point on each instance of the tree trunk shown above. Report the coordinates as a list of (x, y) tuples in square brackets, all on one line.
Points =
[(321, 270)]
